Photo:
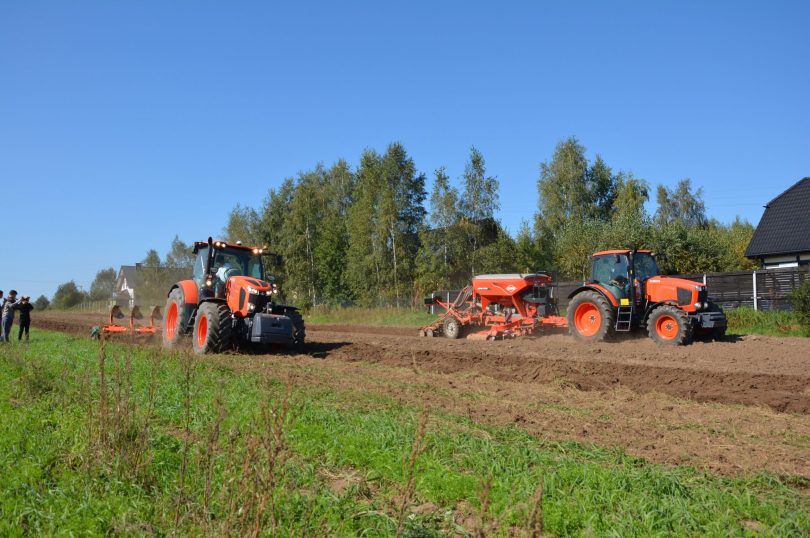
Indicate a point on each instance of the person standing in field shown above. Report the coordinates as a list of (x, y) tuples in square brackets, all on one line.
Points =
[(8, 316), (25, 307)]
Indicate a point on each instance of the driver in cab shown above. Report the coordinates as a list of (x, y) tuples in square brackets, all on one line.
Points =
[(225, 270)]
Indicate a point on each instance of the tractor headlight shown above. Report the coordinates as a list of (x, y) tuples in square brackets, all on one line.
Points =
[(208, 283), (269, 292), (251, 307), (253, 291)]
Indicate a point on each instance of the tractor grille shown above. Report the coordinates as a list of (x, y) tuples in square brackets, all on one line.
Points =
[(684, 296), (703, 295), (258, 302)]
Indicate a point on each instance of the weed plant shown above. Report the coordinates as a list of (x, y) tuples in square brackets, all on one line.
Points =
[(746, 320), (110, 439)]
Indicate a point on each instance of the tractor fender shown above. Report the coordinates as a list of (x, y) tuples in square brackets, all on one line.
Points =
[(190, 291), (597, 288)]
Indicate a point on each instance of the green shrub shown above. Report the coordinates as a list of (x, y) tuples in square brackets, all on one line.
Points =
[(801, 306)]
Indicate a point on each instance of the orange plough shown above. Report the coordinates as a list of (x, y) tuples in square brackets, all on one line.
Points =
[(113, 327)]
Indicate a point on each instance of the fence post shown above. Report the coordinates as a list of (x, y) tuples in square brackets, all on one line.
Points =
[(755, 288), (704, 279)]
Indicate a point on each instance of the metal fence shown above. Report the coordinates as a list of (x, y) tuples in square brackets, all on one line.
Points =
[(763, 289)]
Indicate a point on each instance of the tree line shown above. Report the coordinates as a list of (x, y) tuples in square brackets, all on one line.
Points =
[(373, 235)]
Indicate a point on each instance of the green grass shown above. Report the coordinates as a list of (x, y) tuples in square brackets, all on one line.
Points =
[(768, 322), (406, 317), (67, 467)]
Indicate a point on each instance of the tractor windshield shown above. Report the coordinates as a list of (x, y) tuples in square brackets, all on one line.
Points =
[(238, 263), (645, 265)]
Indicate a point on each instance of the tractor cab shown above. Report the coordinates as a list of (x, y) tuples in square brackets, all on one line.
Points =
[(218, 261), (623, 273)]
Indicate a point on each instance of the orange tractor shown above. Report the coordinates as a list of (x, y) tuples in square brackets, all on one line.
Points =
[(497, 306), (229, 302), (626, 291)]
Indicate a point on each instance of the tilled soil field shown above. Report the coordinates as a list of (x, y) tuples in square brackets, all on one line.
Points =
[(735, 406)]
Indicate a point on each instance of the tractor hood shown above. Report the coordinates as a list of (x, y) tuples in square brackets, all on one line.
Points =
[(250, 285), (247, 295), (684, 293)]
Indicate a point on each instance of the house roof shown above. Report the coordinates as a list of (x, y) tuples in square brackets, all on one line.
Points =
[(128, 273), (785, 225)]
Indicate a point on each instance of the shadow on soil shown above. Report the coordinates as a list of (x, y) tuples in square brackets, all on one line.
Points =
[(321, 350)]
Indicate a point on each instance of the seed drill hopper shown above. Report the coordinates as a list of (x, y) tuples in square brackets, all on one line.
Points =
[(497, 306)]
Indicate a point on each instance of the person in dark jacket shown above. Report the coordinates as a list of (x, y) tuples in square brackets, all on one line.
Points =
[(7, 318), (24, 307)]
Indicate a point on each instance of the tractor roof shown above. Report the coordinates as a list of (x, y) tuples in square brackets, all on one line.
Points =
[(222, 244), (625, 251)]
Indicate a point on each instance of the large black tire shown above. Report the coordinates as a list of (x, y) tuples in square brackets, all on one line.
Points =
[(175, 323), (299, 330), (591, 318), (670, 325), (451, 327), (212, 328)]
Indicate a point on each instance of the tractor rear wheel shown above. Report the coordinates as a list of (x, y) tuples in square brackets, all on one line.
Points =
[(590, 317), (176, 319), (451, 327), (212, 328), (670, 325)]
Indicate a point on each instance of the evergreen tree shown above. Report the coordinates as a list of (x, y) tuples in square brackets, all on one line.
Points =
[(103, 285), (563, 187), (274, 212), (364, 261), (631, 194), (602, 187), (681, 204), (479, 201), (330, 249), (243, 225), (528, 256), (180, 256), (301, 233), (42, 303), (68, 295)]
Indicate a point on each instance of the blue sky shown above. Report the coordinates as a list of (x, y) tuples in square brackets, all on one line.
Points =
[(125, 123)]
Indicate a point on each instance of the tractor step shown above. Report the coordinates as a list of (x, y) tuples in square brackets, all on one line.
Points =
[(624, 319)]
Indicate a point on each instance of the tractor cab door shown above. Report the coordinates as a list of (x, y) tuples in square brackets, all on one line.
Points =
[(612, 272)]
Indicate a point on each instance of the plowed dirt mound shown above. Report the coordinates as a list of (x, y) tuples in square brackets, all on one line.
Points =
[(752, 370)]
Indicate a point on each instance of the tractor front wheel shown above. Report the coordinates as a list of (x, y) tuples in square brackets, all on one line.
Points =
[(176, 318), (212, 329), (590, 317), (451, 327), (299, 330), (670, 325)]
